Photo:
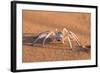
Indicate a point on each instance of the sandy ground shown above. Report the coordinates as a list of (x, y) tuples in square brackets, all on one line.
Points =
[(35, 22)]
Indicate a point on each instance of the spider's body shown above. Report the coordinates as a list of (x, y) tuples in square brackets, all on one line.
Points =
[(58, 36)]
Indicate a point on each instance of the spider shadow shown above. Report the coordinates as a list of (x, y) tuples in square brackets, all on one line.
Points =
[(29, 38)]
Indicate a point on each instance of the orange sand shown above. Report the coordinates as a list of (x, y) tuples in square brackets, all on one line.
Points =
[(39, 21)]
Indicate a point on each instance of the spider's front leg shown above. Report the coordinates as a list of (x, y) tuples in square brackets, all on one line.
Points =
[(64, 32), (63, 40), (66, 36), (69, 41), (75, 38)]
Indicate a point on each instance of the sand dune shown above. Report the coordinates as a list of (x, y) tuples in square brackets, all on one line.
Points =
[(40, 21)]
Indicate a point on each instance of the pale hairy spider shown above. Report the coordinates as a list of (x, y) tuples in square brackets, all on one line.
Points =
[(58, 36)]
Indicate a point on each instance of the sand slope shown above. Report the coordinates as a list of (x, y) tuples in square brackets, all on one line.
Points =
[(40, 21)]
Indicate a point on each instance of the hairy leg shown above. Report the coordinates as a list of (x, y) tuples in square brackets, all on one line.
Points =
[(48, 35), (75, 38), (66, 36)]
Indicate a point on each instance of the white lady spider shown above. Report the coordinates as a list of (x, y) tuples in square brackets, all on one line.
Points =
[(58, 36)]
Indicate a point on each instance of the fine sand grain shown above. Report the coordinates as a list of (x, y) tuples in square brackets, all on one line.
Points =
[(35, 22)]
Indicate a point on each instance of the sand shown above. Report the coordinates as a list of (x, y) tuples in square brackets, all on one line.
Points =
[(35, 22)]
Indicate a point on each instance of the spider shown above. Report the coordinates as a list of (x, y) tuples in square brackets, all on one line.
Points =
[(58, 36)]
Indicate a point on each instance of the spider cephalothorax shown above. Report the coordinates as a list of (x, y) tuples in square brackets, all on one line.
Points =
[(58, 36)]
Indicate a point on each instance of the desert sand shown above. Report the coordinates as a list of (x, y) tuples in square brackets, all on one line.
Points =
[(35, 22)]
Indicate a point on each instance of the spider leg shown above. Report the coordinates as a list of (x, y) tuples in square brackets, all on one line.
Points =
[(39, 37), (76, 38), (48, 35), (69, 41), (65, 31), (36, 40)]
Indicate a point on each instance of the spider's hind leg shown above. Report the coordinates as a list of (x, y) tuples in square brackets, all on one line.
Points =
[(47, 36)]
